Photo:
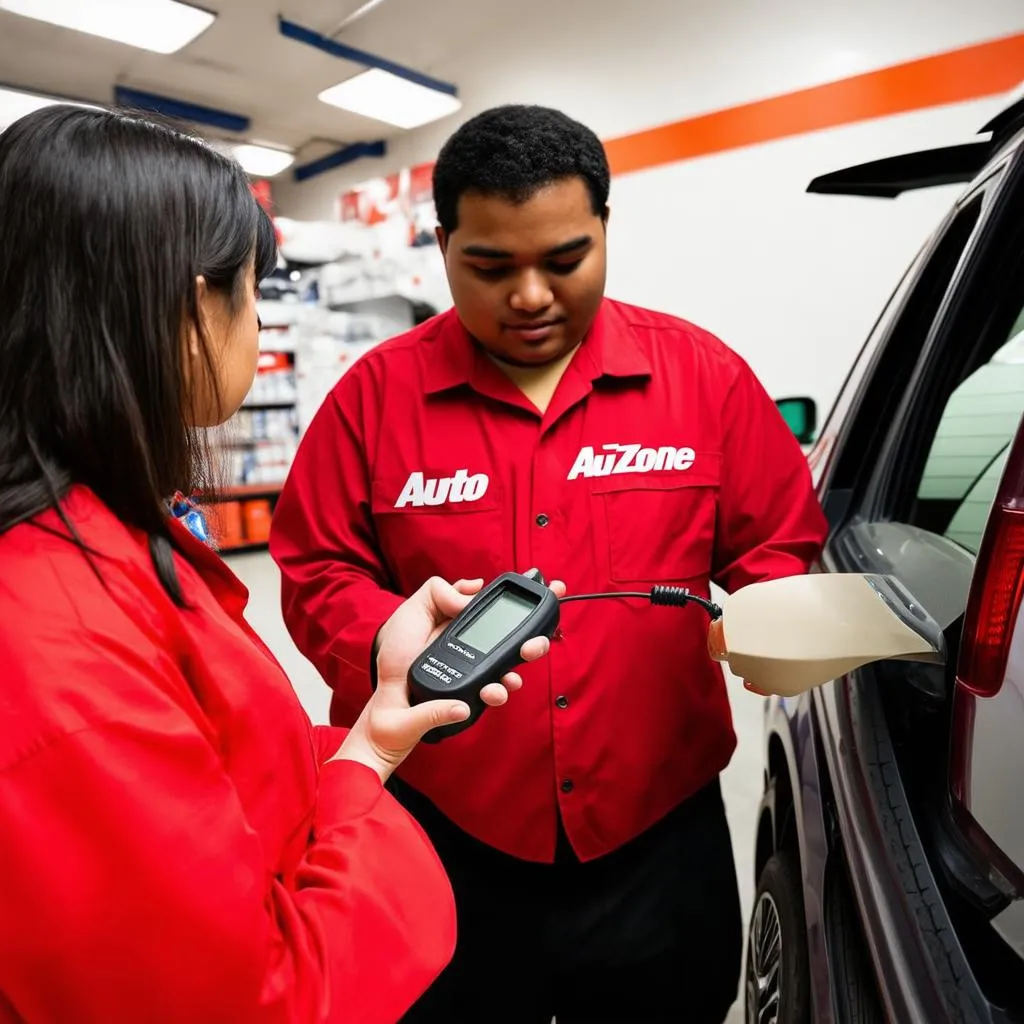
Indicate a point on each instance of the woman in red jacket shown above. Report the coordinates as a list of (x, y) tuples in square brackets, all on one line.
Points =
[(177, 843)]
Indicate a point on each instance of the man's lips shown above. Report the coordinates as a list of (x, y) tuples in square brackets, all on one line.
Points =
[(535, 330)]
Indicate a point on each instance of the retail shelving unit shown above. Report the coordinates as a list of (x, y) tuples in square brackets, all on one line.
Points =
[(254, 450), (312, 333)]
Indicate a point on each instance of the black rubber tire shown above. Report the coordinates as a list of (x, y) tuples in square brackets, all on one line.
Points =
[(852, 972), (780, 883)]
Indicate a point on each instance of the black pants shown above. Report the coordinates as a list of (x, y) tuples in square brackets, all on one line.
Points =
[(649, 933)]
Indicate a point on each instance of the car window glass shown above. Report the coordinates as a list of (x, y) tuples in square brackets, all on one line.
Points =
[(902, 333), (969, 449)]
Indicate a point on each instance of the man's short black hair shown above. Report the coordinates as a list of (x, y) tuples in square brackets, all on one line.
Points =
[(514, 151)]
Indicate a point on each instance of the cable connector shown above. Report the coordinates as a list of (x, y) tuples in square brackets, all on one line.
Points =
[(677, 597), (669, 597)]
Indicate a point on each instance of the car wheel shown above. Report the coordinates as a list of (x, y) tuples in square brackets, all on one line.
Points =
[(777, 982)]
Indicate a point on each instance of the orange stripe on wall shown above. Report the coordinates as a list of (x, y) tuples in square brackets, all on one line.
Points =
[(973, 72)]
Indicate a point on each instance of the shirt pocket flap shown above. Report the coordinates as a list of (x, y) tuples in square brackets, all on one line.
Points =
[(658, 528), (452, 527)]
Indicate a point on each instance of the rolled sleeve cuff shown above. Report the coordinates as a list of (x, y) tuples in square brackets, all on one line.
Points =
[(328, 739), (348, 790)]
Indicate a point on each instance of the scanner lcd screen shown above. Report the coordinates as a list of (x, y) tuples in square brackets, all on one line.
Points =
[(496, 621)]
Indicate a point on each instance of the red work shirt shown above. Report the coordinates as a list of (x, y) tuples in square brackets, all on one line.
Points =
[(660, 460), (173, 845)]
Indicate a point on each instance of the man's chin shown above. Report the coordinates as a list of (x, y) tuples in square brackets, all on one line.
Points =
[(530, 355)]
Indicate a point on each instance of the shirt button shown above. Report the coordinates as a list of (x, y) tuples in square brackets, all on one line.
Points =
[(567, 785), (542, 520), (561, 702)]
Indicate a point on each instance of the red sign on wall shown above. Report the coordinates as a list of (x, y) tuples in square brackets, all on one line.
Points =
[(261, 191), (421, 184)]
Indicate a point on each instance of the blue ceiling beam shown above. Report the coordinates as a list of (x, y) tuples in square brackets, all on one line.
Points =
[(340, 157), (291, 30), (180, 110)]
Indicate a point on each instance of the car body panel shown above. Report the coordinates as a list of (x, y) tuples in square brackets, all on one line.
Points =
[(832, 745)]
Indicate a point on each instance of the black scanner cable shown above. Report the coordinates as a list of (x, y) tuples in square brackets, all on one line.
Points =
[(671, 597)]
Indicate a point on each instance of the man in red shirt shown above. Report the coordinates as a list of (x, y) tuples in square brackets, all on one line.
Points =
[(540, 424)]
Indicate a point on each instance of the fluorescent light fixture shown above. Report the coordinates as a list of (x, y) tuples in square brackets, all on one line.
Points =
[(386, 97), (15, 104), (262, 161), (358, 13), (162, 26)]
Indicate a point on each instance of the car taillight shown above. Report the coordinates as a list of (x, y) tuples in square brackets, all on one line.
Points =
[(992, 614), (994, 603), (997, 587)]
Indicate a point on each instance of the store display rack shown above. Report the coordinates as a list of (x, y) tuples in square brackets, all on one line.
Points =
[(316, 323), (255, 449)]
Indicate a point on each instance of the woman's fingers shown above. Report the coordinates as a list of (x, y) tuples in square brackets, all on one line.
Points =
[(494, 695), (535, 648), (431, 714), (558, 587)]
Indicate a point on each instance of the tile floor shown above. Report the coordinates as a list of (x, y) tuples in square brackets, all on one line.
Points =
[(741, 782)]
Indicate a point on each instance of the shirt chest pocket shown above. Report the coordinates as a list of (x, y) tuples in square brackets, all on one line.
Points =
[(657, 528), (445, 528)]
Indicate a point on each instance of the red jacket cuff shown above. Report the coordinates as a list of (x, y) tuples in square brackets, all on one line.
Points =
[(348, 790), (327, 739)]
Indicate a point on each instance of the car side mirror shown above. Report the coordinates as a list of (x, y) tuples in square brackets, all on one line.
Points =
[(788, 635), (801, 416)]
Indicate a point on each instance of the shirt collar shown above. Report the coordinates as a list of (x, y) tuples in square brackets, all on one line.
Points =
[(610, 349)]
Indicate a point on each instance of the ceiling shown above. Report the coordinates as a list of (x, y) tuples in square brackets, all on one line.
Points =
[(243, 65)]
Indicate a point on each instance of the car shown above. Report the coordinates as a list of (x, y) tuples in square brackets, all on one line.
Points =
[(889, 848)]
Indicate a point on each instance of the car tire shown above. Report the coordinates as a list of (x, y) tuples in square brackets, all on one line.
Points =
[(852, 975), (777, 986)]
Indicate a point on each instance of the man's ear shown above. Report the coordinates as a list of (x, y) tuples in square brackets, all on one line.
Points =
[(605, 215), (442, 239)]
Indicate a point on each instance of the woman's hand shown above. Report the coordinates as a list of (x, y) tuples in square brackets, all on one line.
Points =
[(388, 728)]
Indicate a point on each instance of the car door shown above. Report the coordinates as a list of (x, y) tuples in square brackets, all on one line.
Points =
[(909, 467)]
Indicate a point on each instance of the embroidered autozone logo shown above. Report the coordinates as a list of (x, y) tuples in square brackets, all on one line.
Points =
[(420, 490), (615, 459)]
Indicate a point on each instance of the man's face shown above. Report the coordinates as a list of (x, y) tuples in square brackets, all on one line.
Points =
[(527, 279)]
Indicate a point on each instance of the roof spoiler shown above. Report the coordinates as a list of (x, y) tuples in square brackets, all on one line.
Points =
[(888, 178), (947, 165)]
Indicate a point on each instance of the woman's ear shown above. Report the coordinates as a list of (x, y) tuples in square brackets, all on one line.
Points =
[(202, 309)]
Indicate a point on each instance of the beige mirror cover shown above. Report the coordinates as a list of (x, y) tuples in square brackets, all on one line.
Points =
[(788, 635)]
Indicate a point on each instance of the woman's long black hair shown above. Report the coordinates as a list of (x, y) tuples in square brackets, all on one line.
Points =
[(106, 220)]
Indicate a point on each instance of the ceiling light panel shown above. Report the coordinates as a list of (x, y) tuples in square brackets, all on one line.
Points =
[(386, 97), (262, 161), (15, 104), (161, 26)]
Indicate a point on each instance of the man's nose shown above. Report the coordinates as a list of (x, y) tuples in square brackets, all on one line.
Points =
[(531, 293)]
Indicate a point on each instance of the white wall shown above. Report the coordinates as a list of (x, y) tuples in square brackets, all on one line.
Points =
[(731, 241)]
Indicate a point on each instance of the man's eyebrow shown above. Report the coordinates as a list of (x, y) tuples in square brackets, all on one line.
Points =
[(485, 252), (567, 247)]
